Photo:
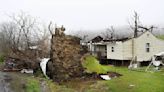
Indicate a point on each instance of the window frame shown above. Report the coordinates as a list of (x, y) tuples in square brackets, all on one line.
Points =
[(112, 49), (147, 47)]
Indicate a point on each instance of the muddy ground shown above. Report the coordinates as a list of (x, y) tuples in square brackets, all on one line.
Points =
[(16, 82), (4, 82)]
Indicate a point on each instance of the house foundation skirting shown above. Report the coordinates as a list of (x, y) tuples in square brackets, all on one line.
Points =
[(115, 62), (121, 62)]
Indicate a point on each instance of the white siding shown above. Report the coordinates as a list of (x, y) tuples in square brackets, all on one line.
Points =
[(127, 50), (136, 47), (156, 46), (117, 54)]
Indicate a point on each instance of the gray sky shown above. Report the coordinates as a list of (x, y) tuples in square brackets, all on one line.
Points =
[(87, 14)]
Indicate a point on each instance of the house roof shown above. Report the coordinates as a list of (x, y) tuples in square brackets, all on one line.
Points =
[(144, 33), (121, 39), (97, 39)]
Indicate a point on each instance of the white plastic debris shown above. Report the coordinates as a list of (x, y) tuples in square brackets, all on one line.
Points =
[(43, 65), (132, 66), (105, 77), (156, 68), (131, 85), (156, 63), (27, 71)]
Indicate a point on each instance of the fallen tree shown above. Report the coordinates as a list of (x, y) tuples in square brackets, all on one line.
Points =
[(65, 57)]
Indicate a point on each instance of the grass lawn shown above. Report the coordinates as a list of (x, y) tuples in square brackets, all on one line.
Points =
[(131, 81), (140, 81), (32, 85)]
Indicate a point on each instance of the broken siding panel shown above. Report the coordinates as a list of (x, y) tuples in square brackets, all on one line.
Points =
[(117, 53)]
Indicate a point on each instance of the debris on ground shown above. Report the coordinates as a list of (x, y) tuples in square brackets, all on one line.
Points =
[(43, 65), (157, 61), (29, 71), (114, 74), (110, 75), (12, 64), (134, 66), (131, 85), (105, 77)]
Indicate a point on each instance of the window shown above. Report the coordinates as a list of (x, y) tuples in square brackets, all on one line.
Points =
[(147, 47), (112, 49), (105, 49)]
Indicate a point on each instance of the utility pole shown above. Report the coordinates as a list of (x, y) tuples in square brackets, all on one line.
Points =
[(136, 25)]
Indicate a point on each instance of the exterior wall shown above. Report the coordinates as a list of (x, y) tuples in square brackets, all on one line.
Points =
[(101, 49), (117, 54), (98, 50), (156, 46), (127, 50), (134, 47)]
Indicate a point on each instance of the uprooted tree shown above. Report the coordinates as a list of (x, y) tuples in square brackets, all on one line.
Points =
[(66, 53)]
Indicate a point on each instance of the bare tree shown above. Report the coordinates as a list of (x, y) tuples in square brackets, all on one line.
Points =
[(25, 26), (135, 23), (109, 33), (8, 36), (22, 32), (137, 27), (146, 28)]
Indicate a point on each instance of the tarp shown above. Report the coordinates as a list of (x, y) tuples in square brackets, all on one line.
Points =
[(43, 65)]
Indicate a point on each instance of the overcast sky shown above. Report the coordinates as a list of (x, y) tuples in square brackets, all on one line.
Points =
[(87, 14)]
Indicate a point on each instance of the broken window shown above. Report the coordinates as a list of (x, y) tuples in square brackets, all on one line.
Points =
[(147, 47), (112, 49)]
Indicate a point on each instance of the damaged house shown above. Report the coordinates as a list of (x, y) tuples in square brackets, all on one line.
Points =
[(121, 51)]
